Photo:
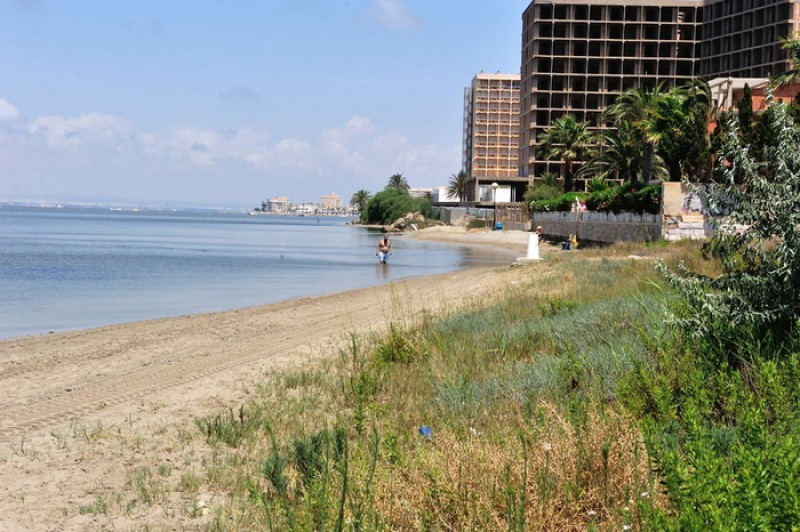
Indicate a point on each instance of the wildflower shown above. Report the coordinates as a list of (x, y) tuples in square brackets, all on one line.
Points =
[(627, 527), (644, 495), (547, 446), (592, 513)]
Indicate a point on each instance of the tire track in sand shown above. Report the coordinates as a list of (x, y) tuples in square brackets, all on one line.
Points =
[(166, 354), (152, 379)]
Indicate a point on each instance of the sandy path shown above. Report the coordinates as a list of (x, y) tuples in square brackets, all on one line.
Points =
[(166, 372)]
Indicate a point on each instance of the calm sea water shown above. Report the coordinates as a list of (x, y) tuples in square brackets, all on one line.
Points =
[(63, 269)]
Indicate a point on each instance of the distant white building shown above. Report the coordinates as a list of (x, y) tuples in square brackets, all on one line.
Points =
[(331, 202), (419, 192), (278, 205), (306, 209), (440, 195)]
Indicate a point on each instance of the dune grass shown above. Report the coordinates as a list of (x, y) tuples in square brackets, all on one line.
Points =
[(564, 403), (500, 415)]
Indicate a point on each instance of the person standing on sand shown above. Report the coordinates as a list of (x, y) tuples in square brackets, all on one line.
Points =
[(384, 249)]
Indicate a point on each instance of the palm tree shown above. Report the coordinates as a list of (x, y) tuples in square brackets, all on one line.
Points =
[(792, 46), (620, 156), (641, 108), (398, 181), (457, 187), (550, 179), (568, 140), (360, 199)]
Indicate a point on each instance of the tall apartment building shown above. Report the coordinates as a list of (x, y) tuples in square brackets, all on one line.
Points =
[(278, 205), (491, 135), (330, 201), (742, 37), (578, 56)]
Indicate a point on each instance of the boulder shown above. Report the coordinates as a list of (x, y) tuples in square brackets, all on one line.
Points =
[(412, 221)]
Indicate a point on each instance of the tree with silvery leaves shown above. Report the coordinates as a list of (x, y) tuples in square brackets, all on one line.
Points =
[(758, 246)]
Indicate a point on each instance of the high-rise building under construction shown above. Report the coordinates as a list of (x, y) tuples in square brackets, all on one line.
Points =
[(578, 56)]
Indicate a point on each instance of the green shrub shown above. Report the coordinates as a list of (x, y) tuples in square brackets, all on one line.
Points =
[(757, 291), (724, 441), (597, 184), (393, 203), (565, 202), (629, 197), (541, 192), (719, 395)]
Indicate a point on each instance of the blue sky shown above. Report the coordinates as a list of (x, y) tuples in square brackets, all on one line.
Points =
[(225, 103)]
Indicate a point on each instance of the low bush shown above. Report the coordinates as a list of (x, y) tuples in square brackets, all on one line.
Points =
[(393, 203), (628, 197), (541, 192), (724, 439), (564, 202)]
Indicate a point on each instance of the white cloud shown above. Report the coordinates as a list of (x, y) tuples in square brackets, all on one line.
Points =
[(294, 153), (107, 149), (394, 14), (92, 128), (8, 113), (356, 127), (209, 147)]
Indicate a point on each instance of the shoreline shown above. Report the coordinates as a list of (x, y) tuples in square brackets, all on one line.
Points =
[(66, 399), (499, 251), (487, 255), (50, 367)]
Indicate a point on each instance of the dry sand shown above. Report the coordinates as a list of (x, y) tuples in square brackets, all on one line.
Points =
[(66, 399)]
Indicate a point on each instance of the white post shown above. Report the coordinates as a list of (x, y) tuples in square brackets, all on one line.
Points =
[(533, 248)]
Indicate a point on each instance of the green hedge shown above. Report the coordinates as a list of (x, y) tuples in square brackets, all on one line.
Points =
[(565, 202), (629, 197)]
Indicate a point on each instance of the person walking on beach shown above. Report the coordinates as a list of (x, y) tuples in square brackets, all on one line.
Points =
[(384, 249)]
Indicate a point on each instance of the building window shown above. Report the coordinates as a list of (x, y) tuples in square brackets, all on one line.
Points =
[(545, 12)]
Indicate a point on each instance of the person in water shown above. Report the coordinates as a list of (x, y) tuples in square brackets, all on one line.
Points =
[(384, 249)]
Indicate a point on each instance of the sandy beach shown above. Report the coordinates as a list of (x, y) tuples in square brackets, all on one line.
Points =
[(61, 392)]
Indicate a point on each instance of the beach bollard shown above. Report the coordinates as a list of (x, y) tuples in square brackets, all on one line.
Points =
[(533, 248)]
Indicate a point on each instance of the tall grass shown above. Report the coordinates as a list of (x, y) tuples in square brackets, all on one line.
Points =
[(520, 395)]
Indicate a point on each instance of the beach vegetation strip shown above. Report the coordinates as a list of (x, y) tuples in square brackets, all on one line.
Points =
[(494, 415), (568, 402)]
